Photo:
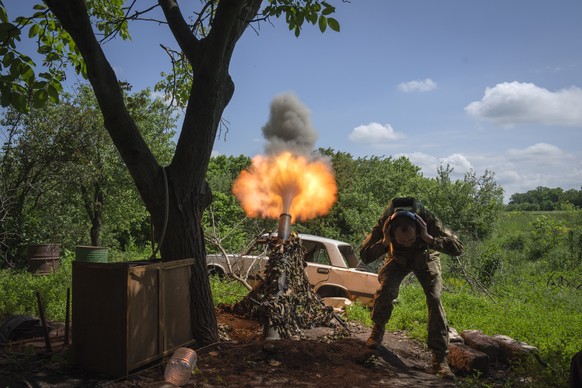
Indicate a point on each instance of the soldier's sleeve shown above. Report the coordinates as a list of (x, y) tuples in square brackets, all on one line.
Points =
[(372, 247), (445, 240)]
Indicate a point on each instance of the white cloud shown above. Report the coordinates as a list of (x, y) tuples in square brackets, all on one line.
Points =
[(513, 103), (417, 86), (537, 153), (517, 170), (458, 162), (429, 164), (374, 134)]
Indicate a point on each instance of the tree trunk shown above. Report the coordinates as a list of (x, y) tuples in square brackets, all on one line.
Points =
[(184, 238), (211, 91)]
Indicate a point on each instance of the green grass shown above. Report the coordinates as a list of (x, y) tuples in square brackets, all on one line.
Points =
[(513, 221), (18, 289), (548, 320), (226, 291)]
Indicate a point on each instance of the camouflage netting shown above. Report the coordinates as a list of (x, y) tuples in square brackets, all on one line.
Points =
[(284, 296)]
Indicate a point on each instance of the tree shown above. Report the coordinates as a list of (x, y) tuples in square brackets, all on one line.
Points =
[(544, 198), (31, 164), (175, 195), (470, 206), (66, 179), (99, 173)]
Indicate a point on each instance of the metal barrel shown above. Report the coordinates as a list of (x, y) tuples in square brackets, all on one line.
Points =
[(44, 258)]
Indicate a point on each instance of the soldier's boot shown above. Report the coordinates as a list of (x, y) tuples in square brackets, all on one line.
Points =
[(375, 339), (440, 367)]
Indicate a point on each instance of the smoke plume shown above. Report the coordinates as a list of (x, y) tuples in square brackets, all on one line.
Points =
[(289, 127)]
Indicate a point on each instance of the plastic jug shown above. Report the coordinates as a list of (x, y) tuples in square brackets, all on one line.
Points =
[(179, 367)]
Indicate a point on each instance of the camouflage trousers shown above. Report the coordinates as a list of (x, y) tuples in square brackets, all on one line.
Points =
[(427, 270)]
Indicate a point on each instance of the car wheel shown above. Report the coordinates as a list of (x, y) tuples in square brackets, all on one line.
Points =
[(328, 292), (214, 271)]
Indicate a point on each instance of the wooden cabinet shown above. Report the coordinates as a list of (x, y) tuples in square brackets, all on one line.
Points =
[(125, 315)]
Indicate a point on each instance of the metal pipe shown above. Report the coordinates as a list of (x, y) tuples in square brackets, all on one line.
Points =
[(284, 226)]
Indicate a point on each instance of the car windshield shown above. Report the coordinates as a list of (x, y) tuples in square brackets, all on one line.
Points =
[(348, 255)]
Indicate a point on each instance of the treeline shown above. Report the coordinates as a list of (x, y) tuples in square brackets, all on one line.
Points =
[(470, 206), (546, 199)]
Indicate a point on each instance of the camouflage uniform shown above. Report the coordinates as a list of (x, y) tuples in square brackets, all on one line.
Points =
[(421, 259)]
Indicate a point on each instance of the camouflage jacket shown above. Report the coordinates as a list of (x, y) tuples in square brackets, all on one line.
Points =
[(445, 240)]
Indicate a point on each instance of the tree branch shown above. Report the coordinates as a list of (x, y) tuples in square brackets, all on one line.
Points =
[(181, 31), (211, 83), (74, 18)]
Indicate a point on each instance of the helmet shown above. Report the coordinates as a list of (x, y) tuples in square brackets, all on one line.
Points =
[(403, 213)]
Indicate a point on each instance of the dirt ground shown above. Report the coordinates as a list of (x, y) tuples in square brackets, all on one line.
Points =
[(322, 357)]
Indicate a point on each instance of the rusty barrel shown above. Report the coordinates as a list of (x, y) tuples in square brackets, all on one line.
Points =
[(44, 258)]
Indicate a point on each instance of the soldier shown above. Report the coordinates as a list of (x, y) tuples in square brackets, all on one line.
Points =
[(411, 237)]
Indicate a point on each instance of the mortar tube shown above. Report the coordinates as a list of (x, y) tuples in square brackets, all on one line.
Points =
[(284, 226)]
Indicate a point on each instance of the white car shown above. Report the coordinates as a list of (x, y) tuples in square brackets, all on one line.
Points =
[(332, 268)]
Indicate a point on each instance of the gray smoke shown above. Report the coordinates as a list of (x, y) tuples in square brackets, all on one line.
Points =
[(289, 127)]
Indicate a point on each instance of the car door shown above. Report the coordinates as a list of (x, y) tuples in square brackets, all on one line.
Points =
[(318, 263), (362, 284)]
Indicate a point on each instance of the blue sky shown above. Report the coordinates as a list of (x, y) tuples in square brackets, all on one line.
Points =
[(477, 85)]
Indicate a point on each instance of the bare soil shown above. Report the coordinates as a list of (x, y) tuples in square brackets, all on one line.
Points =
[(321, 357)]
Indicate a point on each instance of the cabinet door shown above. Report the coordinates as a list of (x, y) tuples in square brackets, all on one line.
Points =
[(99, 317), (143, 342), (175, 304)]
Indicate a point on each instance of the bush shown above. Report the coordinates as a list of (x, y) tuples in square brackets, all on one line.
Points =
[(226, 291), (18, 289), (546, 234), (514, 242)]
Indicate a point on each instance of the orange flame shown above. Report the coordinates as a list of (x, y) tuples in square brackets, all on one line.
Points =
[(286, 183)]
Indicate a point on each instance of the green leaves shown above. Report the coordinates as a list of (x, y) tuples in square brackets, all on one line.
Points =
[(298, 11), (110, 18), (39, 98), (61, 147), (333, 24), (33, 31), (20, 86)]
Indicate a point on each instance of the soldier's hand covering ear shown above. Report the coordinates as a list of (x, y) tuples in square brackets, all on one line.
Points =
[(386, 230), (423, 230)]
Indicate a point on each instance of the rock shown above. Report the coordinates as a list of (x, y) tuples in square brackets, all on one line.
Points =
[(482, 342), (337, 303), (466, 360), (510, 349), (454, 336)]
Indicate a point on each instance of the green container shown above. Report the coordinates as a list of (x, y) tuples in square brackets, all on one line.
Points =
[(91, 254)]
